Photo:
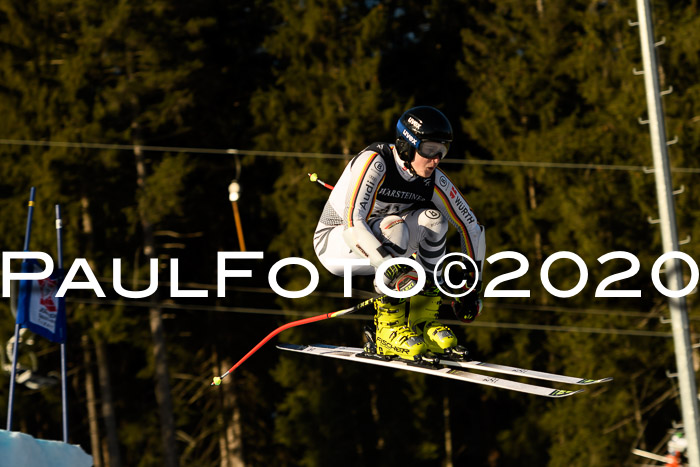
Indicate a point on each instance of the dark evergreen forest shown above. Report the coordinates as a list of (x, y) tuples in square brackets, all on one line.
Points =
[(548, 150)]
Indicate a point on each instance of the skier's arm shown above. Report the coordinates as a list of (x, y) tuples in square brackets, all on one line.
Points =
[(368, 171), (450, 201)]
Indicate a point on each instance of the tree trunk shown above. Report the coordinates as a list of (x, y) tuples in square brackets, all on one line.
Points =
[(374, 410), (230, 442), (165, 403), (91, 404), (163, 397), (107, 454), (448, 428), (532, 201), (112, 459), (223, 454)]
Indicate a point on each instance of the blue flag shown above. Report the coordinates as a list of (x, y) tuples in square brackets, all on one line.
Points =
[(38, 308)]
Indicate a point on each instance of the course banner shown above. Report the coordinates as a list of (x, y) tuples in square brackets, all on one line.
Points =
[(38, 308)]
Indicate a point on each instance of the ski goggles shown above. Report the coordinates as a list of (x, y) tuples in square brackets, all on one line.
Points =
[(433, 149)]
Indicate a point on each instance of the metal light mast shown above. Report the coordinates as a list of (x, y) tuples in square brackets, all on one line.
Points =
[(669, 235)]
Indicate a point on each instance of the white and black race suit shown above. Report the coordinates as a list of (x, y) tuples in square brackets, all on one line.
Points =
[(379, 210)]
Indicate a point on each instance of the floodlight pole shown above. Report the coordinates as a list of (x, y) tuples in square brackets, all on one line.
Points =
[(669, 235), (234, 194)]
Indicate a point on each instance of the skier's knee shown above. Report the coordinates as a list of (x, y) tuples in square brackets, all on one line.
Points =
[(393, 233), (434, 222)]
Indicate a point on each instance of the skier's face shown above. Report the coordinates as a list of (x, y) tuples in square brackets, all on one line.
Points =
[(423, 166)]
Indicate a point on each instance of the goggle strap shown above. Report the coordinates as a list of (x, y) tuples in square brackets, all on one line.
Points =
[(408, 135)]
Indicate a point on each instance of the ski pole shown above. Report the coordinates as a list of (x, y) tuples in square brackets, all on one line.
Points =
[(313, 319), (314, 178)]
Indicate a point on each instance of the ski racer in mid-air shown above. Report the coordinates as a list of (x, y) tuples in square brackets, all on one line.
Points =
[(392, 200)]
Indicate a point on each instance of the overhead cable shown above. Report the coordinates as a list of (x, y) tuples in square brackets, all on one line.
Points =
[(313, 155)]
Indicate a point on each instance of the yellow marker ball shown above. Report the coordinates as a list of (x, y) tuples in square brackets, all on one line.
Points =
[(217, 381), (313, 177)]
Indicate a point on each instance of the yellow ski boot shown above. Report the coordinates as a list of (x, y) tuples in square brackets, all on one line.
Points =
[(393, 337), (422, 320)]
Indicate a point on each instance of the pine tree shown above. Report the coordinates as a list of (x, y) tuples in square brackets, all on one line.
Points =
[(555, 84), (71, 81)]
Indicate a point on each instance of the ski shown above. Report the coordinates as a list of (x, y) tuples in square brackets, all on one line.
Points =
[(504, 369), (357, 355), (511, 370)]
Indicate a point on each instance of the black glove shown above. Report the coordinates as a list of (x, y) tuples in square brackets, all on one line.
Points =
[(466, 308)]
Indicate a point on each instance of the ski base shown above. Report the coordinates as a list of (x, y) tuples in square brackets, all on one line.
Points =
[(357, 355)]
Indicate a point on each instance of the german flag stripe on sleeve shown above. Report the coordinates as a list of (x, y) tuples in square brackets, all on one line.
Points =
[(374, 198), (357, 189), (456, 219)]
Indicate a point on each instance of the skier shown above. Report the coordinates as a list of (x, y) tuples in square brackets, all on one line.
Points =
[(393, 201)]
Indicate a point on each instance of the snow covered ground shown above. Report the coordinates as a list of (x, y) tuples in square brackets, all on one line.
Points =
[(21, 450)]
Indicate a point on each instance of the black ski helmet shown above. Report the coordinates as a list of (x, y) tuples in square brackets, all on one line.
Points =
[(418, 125)]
